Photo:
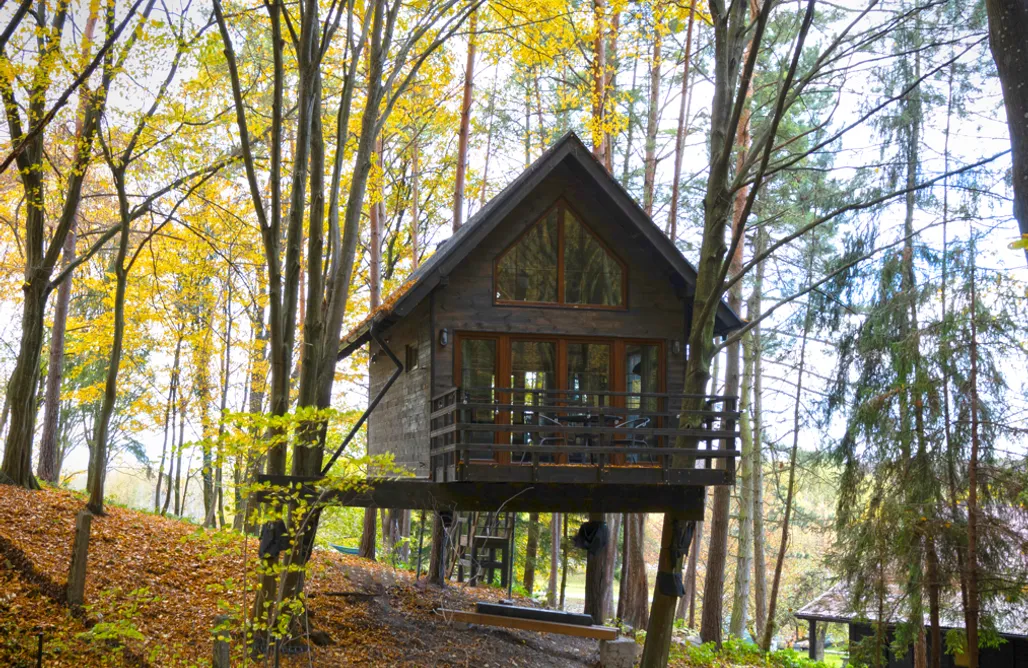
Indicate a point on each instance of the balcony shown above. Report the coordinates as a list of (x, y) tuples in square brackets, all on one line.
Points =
[(512, 435)]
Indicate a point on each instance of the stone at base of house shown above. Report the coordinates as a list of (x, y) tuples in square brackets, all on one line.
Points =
[(619, 653)]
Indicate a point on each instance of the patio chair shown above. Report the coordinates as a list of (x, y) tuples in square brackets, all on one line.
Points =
[(633, 440)]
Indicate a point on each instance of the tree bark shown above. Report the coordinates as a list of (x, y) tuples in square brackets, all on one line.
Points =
[(635, 590), (653, 114), (168, 425), (437, 557), (1008, 33), (599, 70), (98, 453), (972, 608), (683, 128), (41, 258), (49, 468), (465, 127), (756, 350), (551, 589), (531, 552), (564, 562)]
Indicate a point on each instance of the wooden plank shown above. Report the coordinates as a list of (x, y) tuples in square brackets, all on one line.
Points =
[(716, 398), (695, 453), (591, 410), (597, 632), (698, 433), (424, 494), (541, 614), (612, 476)]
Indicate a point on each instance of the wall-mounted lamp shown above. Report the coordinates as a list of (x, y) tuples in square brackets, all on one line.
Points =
[(444, 337), (676, 346)]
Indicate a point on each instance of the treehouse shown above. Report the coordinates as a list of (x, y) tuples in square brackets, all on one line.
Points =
[(535, 361)]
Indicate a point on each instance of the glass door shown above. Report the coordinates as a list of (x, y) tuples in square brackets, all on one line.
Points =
[(533, 371), (642, 376), (478, 373)]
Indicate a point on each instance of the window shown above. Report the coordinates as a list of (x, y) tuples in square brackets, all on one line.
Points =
[(560, 261), (412, 361), (591, 274), (528, 271)]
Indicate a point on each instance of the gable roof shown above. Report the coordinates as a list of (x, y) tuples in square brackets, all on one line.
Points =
[(436, 268), (835, 605)]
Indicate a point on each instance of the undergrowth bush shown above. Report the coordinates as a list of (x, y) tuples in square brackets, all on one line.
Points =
[(737, 652)]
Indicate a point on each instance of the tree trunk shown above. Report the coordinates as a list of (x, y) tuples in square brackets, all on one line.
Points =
[(728, 47), (609, 566), (683, 128), (744, 559), (756, 350), (599, 70), (41, 258), (180, 495), (437, 557), (690, 576), (652, 116), (1008, 33), (531, 552), (564, 562), (21, 390), (168, 423), (635, 590), (49, 468), (465, 127), (171, 461), (971, 610), (98, 462), (483, 191), (415, 214), (783, 546), (599, 572), (551, 589)]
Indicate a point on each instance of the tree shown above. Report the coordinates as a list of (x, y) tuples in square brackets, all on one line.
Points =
[(1008, 28), (399, 40), (41, 256), (48, 468)]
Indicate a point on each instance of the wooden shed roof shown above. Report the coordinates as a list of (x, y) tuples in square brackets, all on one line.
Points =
[(835, 605), (435, 269)]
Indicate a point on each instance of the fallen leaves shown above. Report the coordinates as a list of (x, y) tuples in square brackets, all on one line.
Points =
[(158, 584)]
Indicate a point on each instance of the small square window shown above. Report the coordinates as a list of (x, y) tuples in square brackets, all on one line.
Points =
[(413, 360)]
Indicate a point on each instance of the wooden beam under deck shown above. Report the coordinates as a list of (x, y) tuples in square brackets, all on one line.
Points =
[(416, 493)]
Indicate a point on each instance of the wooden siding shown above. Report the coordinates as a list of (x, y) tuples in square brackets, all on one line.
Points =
[(1012, 653), (654, 310), (400, 423)]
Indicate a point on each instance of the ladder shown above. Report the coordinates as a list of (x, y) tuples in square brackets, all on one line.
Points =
[(484, 547)]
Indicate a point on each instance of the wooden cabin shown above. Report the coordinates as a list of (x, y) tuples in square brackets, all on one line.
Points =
[(1009, 621), (543, 347)]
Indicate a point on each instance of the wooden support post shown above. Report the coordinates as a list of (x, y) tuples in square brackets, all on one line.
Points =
[(76, 590), (812, 648), (222, 656)]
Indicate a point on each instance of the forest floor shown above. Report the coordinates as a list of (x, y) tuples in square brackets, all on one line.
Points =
[(155, 585)]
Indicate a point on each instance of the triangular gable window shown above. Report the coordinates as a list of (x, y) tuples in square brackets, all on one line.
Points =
[(560, 261)]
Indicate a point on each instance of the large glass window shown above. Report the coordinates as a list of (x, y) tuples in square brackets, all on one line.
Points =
[(591, 274), (528, 271), (560, 261)]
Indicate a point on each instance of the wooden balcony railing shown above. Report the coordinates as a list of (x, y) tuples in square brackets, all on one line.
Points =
[(523, 435)]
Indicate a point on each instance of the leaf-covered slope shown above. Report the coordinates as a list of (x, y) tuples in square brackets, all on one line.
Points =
[(156, 584)]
